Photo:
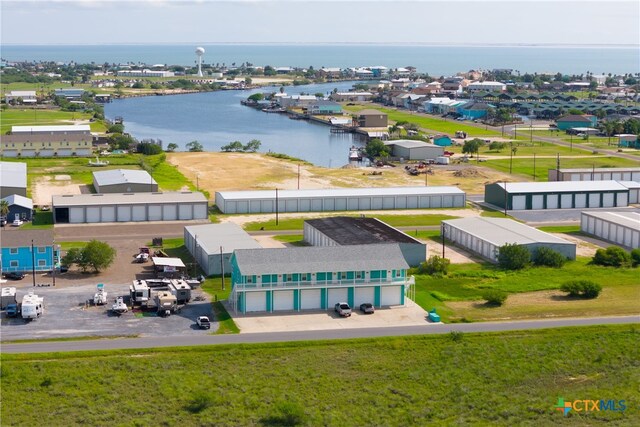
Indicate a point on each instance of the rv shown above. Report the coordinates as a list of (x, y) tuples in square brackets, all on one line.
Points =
[(139, 292), (166, 303), (181, 290), (8, 297), (32, 306)]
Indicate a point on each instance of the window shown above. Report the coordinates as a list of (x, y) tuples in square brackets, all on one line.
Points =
[(41, 249), (42, 263), (359, 274), (13, 251), (13, 264), (343, 275), (249, 279), (288, 278)]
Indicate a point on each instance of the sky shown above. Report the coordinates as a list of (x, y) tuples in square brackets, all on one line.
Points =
[(467, 22)]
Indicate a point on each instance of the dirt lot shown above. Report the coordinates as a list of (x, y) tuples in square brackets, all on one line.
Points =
[(59, 185), (219, 171)]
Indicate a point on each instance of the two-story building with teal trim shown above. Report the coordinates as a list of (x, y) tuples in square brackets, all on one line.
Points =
[(576, 121), (22, 248), (316, 278)]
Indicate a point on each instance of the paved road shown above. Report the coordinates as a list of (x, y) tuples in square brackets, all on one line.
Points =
[(180, 341)]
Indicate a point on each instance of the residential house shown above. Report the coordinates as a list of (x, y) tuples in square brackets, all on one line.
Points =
[(351, 96), (19, 207), (372, 119), (628, 141), (22, 250), (324, 107), (330, 71), (400, 83), (576, 121), (486, 86), (474, 110), (293, 101)]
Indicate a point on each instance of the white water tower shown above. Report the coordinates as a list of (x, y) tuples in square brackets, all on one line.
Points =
[(199, 53)]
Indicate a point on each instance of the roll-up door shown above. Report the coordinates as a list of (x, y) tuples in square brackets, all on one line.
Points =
[(169, 212), (108, 213), (63, 152), (267, 206), (199, 211), (581, 200), (352, 204), (254, 205), (155, 213), (594, 200), (242, 207), (336, 295), (364, 203), (185, 211), (310, 299), (93, 214), (401, 202), (376, 203), (412, 202), (316, 205), (608, 200), (537, 201), (447, 201), (622, 200), (566, 201), (305, 205), (552, 201), (139, 213), (124, 213), (341, 204), (282, 300), (292, 205), (76, 215), (388, 202), (329, 204), (363, 295), (390, 295), (518, 202), (255, 301)]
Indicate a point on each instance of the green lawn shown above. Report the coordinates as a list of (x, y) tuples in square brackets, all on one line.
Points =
[(484, 379), (39, 117)]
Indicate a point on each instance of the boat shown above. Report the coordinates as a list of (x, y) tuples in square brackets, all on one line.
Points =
[(355, 153), (100, 297), (119, 307), (98, 162)]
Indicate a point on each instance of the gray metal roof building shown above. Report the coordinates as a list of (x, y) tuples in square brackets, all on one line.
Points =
[(595, 174), (125, 207), (621, 228), (13, 179), (124, 181), (556, 195), (484, 236), (346, 231), (208, 242), (414, 150), (340, 199)]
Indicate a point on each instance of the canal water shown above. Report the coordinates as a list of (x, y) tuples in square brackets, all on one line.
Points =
[(216, 118)]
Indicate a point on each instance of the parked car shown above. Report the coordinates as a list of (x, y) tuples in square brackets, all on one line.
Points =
[(343, 309), (203, 322), (14, 275), (367, 308)]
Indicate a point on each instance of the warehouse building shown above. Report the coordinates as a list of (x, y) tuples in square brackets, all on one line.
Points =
[(316, 278), (13, 179), (414, 150), (595, 174), (484, 236), (124, 181), (621, 228), (213, 244), (347, 231), (340, 199), (92, 208), (556, 195)]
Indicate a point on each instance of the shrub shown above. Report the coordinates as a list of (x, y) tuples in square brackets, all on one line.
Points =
[(613, 256), (286, 414), (434, 265), (547, 257), (581, 288), (513, 257), (635, 257), (199, 403), (494, 297)]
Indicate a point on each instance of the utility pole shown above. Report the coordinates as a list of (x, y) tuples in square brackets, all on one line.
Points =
[(510, 157), (276, 206), (53, 258), (33, 263), (222, 266)]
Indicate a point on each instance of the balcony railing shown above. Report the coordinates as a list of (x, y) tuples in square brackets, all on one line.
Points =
[(323, 283)]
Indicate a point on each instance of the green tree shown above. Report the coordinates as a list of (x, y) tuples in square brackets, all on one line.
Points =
[(613, 256), (248, 80), (252, 146), (376, 148), (73, 256), (116, 128), (4, 208), (547, 257), (472, 146), (171, 147), (269, 71), (235, 146), (95, 255), (581, 288), (497, 146), (512, 256), (256, 97), (194, 146), (138, 85), (635, 257), (435, 265), (494, 297)]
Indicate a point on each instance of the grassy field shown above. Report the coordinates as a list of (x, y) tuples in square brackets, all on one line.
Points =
[(498, 379), (39, 117), (532, 291)]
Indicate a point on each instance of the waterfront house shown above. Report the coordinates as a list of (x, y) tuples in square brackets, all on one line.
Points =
[(487, 86), (22, 248), (318, 277), (47, 141), (576, 121), (293, 101), (372, 119), (321, 107), (19, 207), (351, 96), (69, 93)]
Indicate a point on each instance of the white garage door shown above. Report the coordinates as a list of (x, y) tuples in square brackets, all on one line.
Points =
[(412, 202), (124, 213), (447, 201), (76, 215), (364, 203), (575, 177), (390, 295), (389, 202), (200, 211), (341, 205), (552, 201), (352, 204), (93, 214), (255, 301), (607, 200), (46, 153), (108, 214), (267, 206), (305, 205), (155, 213), (242, 207), (310, 299), (581, 200), (623, 200), (169, 212), (537, 202), (316, 205), (594, 200), (518, 203), (336, 296), (566, 201), (431, 202), (363, 295), (376, 203), (282, 300), (184, 212), (64, 152), (139, 213), (292, 205)]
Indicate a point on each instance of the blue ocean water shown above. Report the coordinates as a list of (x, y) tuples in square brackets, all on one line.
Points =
[(436, 60)]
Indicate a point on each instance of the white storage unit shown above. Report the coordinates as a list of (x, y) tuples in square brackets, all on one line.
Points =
[(282, 300), (390, 295), (336, 295), (634, 191), (595, 174), (340, 199), (519, 203), (362, 295), (621, 228), (255, 301), (310, 299), (125, 207)]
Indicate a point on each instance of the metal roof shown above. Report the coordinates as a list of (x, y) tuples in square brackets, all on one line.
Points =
[(630, 184), (314, 259), (561, 186), (53, 128), (625, 219), (346, 230), (340, 192), (500, 231), (169, 262), (210, 237), (562, 170), (13, 174), (410, 143), (127, 199), (123, 176), (16, 199)]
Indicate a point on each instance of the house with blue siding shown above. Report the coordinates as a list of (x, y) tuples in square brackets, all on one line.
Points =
[(19, 207), (318, 277), (474, 110), (22, 248), (576, 121), (442, 140)]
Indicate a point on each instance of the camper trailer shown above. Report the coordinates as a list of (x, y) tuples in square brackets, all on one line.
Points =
[(181, 290), (32, 306), (166, 303), (8, 297), (139, 292)]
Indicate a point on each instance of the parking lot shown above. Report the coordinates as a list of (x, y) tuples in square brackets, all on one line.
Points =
[(67, 314)]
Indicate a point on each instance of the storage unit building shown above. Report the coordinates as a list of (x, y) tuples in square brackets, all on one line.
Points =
[(340, 199), (209, 243), (595, 174), (414, 150), (621, 228), (13, 179), (556, 195), (484, 236), (634, 191), (124, 181), (129, 207), (308, 278), (346, 231)]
